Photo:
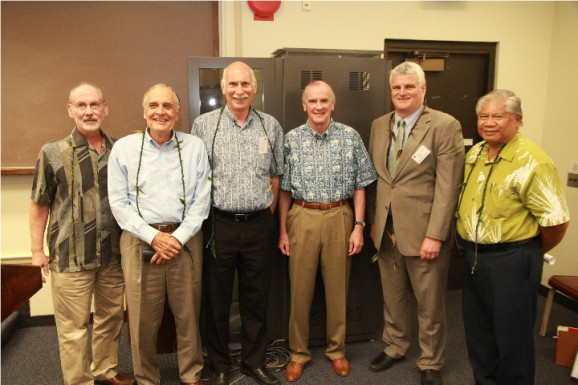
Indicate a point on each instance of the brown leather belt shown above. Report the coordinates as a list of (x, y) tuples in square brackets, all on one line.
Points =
[(165, 227), (320, 206)]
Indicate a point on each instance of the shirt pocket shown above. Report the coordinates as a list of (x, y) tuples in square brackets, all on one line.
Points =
[(502, 203)]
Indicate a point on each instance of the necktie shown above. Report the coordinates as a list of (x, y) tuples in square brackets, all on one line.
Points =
[(397, 146)]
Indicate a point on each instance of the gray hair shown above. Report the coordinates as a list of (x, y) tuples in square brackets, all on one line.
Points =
[(512, 103), (408, 68), (160, 85), (84, 84)]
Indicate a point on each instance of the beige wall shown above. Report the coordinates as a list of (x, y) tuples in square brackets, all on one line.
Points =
[(536, 54), (559, 132)]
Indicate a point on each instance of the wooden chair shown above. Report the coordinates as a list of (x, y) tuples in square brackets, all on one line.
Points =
[(565, 284)]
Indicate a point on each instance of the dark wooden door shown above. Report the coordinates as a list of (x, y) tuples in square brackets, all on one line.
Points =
[(468, 71)]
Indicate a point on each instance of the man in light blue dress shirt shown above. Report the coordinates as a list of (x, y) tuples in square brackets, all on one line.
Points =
[(326, 166), (159, 190)]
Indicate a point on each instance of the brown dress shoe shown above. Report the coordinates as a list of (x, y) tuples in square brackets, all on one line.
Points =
[(293, 371), (341, 366), (119, 379)]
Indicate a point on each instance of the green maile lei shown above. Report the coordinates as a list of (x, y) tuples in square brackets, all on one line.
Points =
[(139, 191), (494, 162)]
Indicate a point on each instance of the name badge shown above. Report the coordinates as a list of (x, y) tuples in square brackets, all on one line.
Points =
[(263, 145), (421, 153)]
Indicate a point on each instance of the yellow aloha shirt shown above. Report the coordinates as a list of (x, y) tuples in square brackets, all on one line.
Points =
[(524, 192)]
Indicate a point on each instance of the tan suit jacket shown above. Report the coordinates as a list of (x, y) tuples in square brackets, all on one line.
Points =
[(423, 192)]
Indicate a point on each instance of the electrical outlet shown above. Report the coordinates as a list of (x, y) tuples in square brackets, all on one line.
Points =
[(306, 5), (572, 180)]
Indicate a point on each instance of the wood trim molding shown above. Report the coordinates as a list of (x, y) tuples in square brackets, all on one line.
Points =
[(17, 171)]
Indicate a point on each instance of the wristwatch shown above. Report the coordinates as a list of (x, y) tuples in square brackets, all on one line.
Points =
[(362, 223)]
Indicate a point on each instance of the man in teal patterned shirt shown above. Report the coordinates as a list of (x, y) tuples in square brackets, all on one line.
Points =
[(511, 211), (326, 165)]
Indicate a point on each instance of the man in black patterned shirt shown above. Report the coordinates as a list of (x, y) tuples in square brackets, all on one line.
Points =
[(70, 188)]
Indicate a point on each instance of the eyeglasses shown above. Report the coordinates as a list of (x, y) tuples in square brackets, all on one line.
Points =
[(94, 106)]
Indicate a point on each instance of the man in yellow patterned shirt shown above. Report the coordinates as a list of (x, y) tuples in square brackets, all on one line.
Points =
[(511, 211)]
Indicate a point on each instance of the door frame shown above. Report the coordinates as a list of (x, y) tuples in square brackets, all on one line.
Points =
[(446, 47)]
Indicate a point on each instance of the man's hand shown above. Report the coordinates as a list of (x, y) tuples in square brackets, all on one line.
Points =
[(430, 249), (166, 246), (356, 240), (40, 259), (284, 243)]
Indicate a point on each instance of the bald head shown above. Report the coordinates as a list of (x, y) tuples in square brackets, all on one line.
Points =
[(239, 86), (238, 66)]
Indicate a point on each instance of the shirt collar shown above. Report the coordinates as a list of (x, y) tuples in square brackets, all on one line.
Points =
[(316, 135), (80, 141), (509, 150), (229, 114), (151, 140), (410, 120)]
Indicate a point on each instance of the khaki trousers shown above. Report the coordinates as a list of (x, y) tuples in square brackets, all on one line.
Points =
[(147, 286), (72, 296), (318, 237), (428, 281)]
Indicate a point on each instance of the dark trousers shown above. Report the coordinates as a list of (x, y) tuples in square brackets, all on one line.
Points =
[(499, 305), (247, 248)]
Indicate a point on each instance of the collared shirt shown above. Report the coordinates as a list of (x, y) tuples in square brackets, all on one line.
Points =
[(162, 174), (325, 168), (70, 178), (243, 158), (410, 122), (524, 192)]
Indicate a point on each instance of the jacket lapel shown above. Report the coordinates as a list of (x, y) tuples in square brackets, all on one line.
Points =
[(386, 137), (414, 139)]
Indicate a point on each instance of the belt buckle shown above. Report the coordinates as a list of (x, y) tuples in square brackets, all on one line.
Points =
[(240, 217)]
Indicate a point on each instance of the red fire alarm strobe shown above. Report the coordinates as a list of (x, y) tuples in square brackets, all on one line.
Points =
[(264, 10)]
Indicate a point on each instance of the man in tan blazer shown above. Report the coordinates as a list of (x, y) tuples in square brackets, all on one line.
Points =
[(418, 154)]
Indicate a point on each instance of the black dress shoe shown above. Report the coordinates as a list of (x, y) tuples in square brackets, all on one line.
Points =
[(382, 362), (431, 377), (219, 378), (262, 375)]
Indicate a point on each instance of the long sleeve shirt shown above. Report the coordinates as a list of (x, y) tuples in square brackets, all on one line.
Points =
[(173, 185)]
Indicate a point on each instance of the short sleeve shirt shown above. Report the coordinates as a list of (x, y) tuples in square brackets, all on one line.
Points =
[(71, 179), (325, 168), (523, 192), (243, 158)]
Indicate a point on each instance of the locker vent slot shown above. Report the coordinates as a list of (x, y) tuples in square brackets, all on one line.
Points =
[(359, 81), (309, 76)]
